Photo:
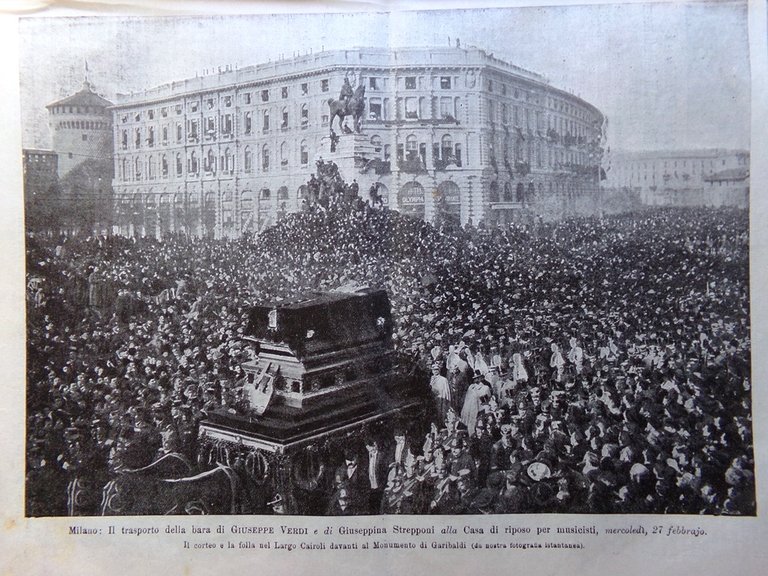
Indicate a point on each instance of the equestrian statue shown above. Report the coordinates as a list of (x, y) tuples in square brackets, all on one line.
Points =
[(350, 103)]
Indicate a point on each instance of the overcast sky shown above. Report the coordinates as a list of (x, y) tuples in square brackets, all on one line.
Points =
[(668, 76)]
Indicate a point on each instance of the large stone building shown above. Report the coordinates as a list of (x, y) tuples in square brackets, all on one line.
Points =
[(446, 131), (707, 177), (81, 125)]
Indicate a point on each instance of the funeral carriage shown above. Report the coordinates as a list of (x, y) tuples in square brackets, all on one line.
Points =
[(325, 372)]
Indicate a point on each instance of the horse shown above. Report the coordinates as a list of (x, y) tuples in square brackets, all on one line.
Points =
[(222, 482), (215, 491), (354, 106)]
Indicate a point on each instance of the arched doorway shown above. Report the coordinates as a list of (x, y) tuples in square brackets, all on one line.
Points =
[(209, 215), (150, 216), (164, 215), (192, 215), (411, 199), (302, 197), (448, 202), (246, 212), (265, 208), (136, 216), (179, 216), (383, 192), (282, 202)]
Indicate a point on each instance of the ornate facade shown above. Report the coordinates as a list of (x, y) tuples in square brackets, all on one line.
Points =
[(446, 132)]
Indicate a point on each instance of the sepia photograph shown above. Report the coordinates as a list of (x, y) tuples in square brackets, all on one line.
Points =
[(430, 262)]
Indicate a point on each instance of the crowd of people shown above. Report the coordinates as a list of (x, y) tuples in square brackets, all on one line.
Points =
[(596, 364)]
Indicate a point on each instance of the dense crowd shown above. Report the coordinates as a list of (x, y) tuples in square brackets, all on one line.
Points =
[(588, 365)]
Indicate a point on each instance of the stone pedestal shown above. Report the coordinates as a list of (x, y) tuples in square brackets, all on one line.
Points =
[(351, 153)]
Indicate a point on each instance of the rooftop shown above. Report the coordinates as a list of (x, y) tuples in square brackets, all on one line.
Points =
[(362, 57), (85, 97), (729, 175), (701, 153)]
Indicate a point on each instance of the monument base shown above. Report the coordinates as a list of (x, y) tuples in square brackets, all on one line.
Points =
[(350, 152)]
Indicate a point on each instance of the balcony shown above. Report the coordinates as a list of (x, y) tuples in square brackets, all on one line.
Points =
[(412, 166), (441, 164)]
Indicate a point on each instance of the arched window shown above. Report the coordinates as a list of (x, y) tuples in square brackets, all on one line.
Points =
[(494, 193), (137, 168), (508, 192), (411, 144), (283, 154), (304, 153), (248, 159), (179, 168), (246, 210), (520, 192), (265, 117), (193, 167), (265, 194), (124, 169), (265, 157), (446, 145), (284, 118), (304, 116), (248, 121), (164, 165), (229, 162), (376, 142), (411, 148), (151, 168), (210, 162)]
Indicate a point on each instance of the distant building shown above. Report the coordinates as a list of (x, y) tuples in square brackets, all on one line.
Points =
[(40, 171), (68, 189), (450, 132), (729, 187), (82, 128), (683, 178)]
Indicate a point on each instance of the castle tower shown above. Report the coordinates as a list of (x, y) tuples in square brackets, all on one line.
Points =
[(82, 128)]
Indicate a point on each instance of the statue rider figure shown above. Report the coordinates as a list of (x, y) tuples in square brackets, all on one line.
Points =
[(346, 94)]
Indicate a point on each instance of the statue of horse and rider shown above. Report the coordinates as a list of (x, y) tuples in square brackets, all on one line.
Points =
[(350, 103)]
